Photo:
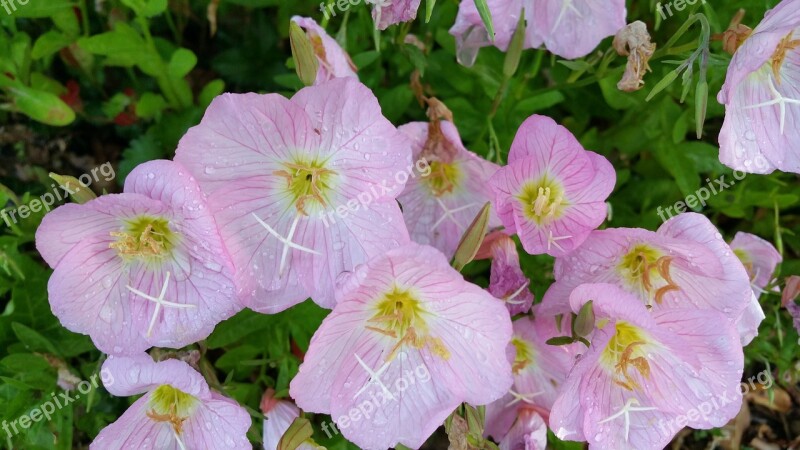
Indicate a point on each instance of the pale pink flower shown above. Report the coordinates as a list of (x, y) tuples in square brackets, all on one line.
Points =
[(759, 257), (539, 371), (285, 180), (408, 341), (685, 264), (761, 94), (178, 411), (552, 192), (390, 12), (334, 62), (529, 432), (506, 279), (568, 28), (140, 269), (442, 201), (648, 373)]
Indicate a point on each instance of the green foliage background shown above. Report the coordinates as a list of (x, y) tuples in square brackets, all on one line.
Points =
[(154, 66)]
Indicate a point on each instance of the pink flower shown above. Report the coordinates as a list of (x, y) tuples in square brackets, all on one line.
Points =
[(286, 181), (390, 12), (761, 95), (140, 269), (334, 62), (506, 280), (685, 264), (528, 433), (553, 192), (539, 370), (648, 373), (569, 28), (278, 417), (408, 341), (573, 28), (440, 203), (178, 411), (759, 257)]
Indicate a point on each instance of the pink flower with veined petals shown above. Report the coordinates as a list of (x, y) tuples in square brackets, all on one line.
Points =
[(506, 279), (647, 373), (408, 341), (685, 264), (759, 257), (178, 411), (761, 95), (539, 371), (389, 12), (439, 204), (284, 179), (334, 62), (529, 432), (568, 28), (140, 269), (552, 192)]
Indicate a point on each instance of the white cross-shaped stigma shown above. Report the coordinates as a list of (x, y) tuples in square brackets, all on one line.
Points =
[(287, 241), (527, 398), (551, 240), (374, 378), (567, 4), (448, 213), (626, 411), (778, 99), (159, 302), (511, 298)]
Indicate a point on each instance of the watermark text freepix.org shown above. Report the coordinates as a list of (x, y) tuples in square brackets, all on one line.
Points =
[(55, 403), (11, 5), (59, 193), (665, 10)]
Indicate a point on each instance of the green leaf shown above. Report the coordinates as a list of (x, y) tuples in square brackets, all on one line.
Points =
[(486, 16), (584, 323), (32, 340), (146, 8), (473, 238), (429, 4), (298, 432), (49, 43), (181, 63), (150, 105), (42, 8), (42, 106), (560, 340), (210, 92), (514, 53), (80, 194), (123, 46), (663, 84)]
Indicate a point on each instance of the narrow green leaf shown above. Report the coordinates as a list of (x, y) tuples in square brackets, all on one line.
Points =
[(663, 84), (305, 60), (486, 16), (429, 9), (472, 239), (560, 340)]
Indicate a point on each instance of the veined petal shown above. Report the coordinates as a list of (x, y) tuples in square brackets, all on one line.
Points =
[(573, 28)]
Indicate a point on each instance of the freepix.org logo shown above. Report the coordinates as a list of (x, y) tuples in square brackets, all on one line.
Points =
[(10, 6)]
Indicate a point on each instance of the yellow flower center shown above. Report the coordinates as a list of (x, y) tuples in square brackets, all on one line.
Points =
[(643, 267), (626, 353), (400, 315), (542, 200), (786, 44), (443, 178), (524, 356), (145, 238), (171, 405), (307, 183)]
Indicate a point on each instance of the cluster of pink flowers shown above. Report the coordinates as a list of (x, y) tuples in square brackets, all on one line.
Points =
[(239, 219)]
